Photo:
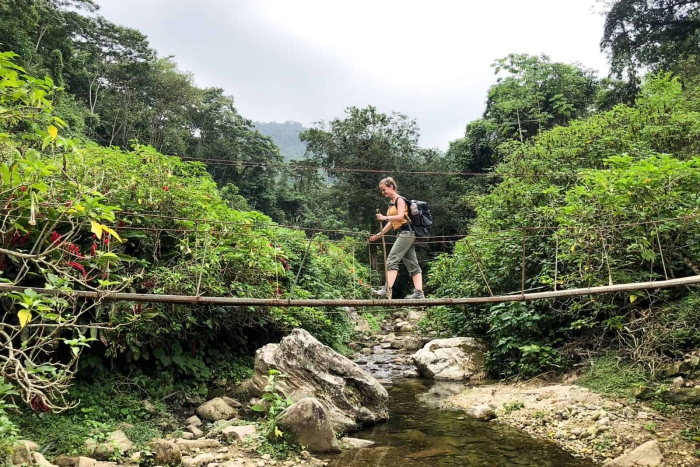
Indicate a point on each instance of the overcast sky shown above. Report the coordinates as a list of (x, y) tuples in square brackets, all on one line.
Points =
[(307, 60)]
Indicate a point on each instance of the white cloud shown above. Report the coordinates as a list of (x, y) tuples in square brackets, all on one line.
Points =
[(307, 60)]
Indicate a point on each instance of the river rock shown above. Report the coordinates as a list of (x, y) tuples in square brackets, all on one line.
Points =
[(188, 445), (648, 454), (199, 461), (407, 342), (357, 443), (31, 445), (363, 326), (455, 359), (216, 409), (196, 432), (236, 433), (40, 460), (80, 461), (683, 395), (414, 316), (116, 441), (482, 412), (193, 421), (308, 424), (675, 369), (21, 454), (350, 395), (166, 452)]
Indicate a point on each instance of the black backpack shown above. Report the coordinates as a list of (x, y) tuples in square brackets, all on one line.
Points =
[(419, 216)]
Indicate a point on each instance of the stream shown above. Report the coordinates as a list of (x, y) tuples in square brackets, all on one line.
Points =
[(421, 432)]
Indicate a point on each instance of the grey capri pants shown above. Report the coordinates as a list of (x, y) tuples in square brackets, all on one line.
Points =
[(404, 248)]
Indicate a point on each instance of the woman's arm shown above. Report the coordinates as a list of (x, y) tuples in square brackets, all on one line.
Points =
[(383, 232)]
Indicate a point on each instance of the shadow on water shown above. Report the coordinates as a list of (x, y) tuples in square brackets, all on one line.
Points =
[(420, 434)]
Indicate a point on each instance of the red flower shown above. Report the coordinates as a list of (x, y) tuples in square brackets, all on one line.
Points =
[(106, 240), (23, 188), (165, 188), (38, 404), (93, 248), (55, 237), (79, 267)]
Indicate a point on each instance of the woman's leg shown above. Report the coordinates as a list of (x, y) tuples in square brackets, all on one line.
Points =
[(402, 245), (410, 259), (391, 277)]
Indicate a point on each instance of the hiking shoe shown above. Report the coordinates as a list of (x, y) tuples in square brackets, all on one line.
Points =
[(381, 292), (417, 295)]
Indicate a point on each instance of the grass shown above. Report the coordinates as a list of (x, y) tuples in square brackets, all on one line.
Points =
[(102, 409), (610, 377), (512, 406)]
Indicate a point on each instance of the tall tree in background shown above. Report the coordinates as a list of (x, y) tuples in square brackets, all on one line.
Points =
[(650, 33), (537, 94), (220, 132), (533, 95), (364, 139)]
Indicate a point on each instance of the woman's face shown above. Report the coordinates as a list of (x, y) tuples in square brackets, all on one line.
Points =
[(387, 191)]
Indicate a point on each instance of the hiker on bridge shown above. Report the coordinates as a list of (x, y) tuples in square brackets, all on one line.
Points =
[(404, 247)]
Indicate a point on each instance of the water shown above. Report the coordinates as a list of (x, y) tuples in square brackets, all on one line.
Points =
[(419, 433)]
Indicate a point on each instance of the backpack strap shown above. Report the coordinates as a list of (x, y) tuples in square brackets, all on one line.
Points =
[(406, 215)]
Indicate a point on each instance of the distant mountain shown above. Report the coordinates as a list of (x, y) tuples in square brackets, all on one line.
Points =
[(286, 137)]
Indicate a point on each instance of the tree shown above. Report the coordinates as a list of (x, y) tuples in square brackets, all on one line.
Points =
[(220, 132), (364, 139), (537, 94), (477, 150), (650, 33)]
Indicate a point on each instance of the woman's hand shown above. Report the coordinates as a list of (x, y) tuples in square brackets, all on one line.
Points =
[(374, 238), (381, 217)]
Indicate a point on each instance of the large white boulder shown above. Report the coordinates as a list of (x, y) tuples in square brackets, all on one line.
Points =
[(455, 359), (351, 396)]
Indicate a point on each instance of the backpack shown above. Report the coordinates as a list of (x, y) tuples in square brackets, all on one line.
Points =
[(419, 217)]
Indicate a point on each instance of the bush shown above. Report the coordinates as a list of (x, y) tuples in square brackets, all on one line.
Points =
[(84, 217), (616, 193)]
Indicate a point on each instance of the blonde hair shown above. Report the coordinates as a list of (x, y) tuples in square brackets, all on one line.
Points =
[(390, 182)]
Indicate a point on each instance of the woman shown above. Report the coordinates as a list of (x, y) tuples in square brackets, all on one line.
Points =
[(404, 248)]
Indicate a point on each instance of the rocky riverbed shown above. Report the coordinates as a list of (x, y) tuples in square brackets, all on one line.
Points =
[(585, 423)]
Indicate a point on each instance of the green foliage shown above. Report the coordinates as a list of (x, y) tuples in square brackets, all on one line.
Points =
[(609, 376), (365, 139), (656, 34), (108, 219), (632, 167), (537, 94), (8, 430), (272, 404), (102, 408), (512, 406)]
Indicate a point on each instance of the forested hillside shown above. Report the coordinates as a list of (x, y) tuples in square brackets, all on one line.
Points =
[(286, 137)]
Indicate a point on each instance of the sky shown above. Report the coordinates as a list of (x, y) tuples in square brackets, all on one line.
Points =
[(308, 60)]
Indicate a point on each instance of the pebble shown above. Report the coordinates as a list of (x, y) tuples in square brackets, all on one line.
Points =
[(603, 421)]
